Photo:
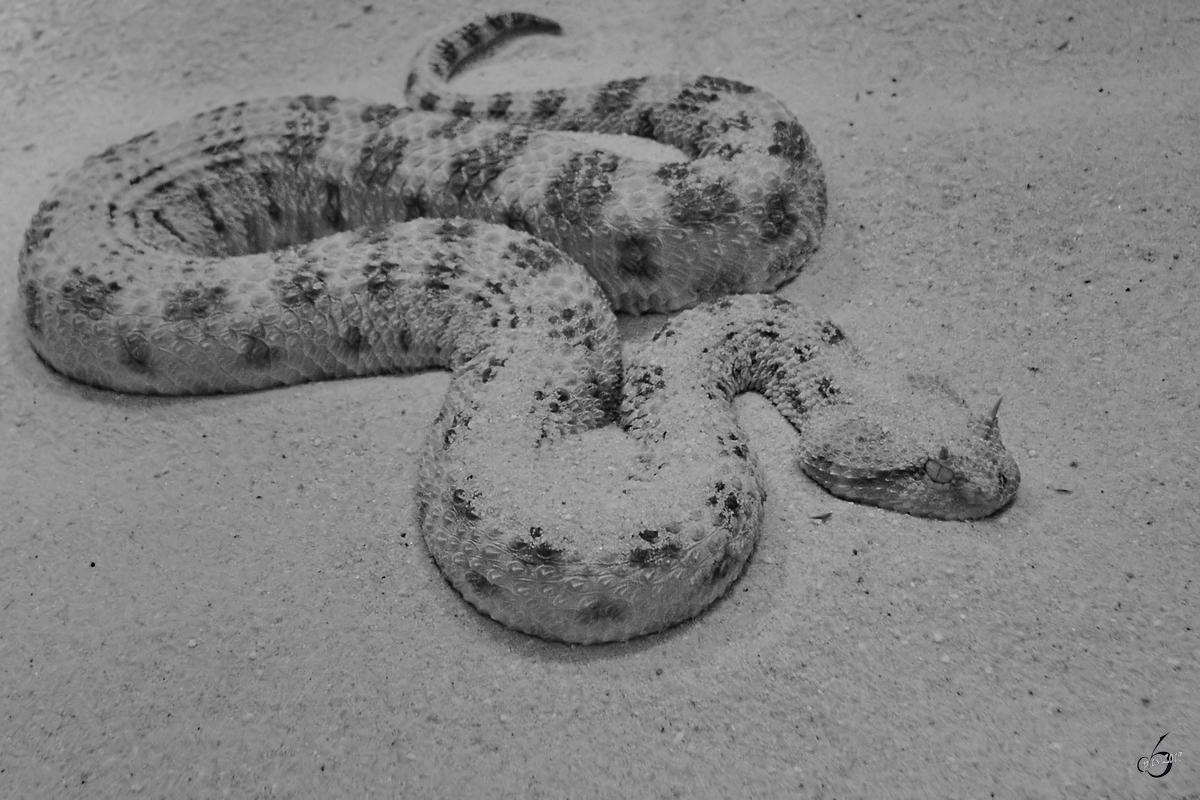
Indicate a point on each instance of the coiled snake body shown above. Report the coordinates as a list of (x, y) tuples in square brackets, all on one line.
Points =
[(565, 491)]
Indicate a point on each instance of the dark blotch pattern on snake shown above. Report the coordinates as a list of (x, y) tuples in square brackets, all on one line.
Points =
[(567, 490)]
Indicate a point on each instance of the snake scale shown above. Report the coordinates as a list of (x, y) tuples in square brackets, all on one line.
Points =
[(568, 490)]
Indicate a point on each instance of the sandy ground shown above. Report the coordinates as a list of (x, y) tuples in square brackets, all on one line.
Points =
[(226, 596)]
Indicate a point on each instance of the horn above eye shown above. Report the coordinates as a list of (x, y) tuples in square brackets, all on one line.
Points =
[(991, 417)]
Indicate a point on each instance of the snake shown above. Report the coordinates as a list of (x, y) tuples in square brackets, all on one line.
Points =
[(571, 487)]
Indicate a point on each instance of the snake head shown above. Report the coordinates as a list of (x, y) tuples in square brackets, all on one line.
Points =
[(923, 454), (977, 479)]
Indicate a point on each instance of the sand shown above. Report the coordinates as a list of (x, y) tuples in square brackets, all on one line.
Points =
[(226, 596)]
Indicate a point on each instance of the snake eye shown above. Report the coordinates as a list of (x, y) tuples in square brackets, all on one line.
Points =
[(936, 469)]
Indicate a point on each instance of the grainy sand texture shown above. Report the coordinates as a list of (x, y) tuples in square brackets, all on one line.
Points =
[(227, 596)]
